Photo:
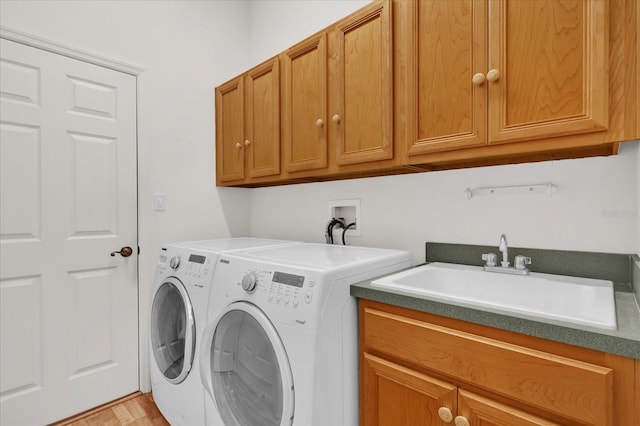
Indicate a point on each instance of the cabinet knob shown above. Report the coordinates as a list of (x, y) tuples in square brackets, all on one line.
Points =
[(445, 414), (461, 421), (335, 118), (478, 79), (247, 142), (238, 146), (319, 122), (493, 75)]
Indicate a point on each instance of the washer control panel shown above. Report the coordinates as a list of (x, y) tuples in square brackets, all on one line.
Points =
[(287, 294), (280, 288)]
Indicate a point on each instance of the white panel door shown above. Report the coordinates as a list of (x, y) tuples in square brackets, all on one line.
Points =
[(69, 325)]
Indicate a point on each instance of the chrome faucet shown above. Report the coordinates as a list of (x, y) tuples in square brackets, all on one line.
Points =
[(505, 251), (520, 262)]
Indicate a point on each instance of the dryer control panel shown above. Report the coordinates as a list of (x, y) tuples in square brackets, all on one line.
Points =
[(197, 266), (195, 269)]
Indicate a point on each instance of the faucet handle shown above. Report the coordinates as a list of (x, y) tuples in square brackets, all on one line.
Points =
[(521, 262), (491, 259)]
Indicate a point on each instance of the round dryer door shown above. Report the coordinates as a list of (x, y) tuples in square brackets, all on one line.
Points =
[(173, 333), (248, 372)]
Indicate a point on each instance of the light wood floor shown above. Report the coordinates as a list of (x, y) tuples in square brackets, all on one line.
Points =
[(134, 410)]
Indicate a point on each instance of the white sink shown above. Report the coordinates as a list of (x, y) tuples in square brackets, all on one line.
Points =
[(576, 300)]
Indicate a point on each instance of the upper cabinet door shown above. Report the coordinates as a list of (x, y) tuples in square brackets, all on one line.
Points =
[(262, 135), (229, 129), (304, 105), (548, 68), (363, 116), (447, 48)]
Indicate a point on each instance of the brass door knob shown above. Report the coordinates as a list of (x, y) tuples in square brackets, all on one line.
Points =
[(125, 251)]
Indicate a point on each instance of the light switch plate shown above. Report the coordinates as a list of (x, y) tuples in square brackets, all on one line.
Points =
[(159, 202)]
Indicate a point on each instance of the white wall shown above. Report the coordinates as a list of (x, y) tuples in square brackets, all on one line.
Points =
[(279, 24), (595, 208), (186, 48)]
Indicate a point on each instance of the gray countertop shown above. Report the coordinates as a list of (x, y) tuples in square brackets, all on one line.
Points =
[(624, 341)]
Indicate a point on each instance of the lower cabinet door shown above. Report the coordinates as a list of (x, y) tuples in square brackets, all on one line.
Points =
[(393, 395), (478, 410)]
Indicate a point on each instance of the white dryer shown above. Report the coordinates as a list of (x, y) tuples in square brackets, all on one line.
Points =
[(179, 301), (281, 346)]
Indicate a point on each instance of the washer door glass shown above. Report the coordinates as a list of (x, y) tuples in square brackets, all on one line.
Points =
[(173, 330), (250, 372)]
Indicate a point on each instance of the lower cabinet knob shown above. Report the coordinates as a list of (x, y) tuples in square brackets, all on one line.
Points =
[(493, 75), (461, 421), (445, 414), (478, 79), (319, 122)]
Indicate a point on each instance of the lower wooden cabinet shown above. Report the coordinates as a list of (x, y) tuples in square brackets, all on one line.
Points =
[(421, 369), (395, 395)]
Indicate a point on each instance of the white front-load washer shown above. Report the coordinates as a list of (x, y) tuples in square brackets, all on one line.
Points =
[(281, 344), (179, 301)]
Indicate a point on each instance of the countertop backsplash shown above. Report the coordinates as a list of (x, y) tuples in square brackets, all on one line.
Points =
[(603, 266)]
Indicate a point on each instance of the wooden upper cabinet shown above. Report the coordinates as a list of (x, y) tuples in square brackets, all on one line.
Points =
[(414, 85), (338, 93), (362, 78), (447, 45), (304, 105), (552, 61), (229, 129), (248, 125), (487, 72), (262, 134)]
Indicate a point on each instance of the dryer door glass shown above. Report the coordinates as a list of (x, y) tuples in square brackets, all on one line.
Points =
[(172, 330), (247, 366)]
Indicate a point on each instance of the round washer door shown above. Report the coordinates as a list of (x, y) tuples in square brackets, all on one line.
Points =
[(173, 331), (246, 370)]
